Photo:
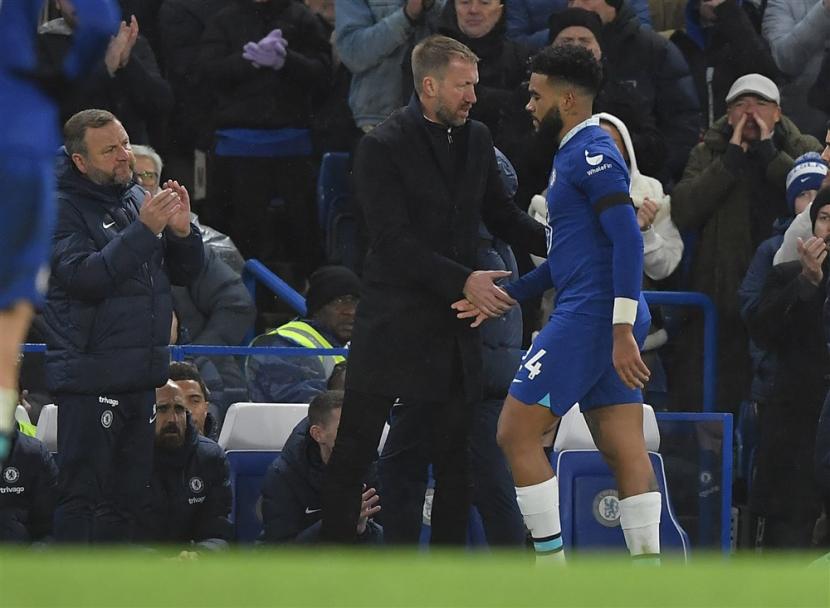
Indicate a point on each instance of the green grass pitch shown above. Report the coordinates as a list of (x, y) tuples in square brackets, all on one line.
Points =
[(386, 578)]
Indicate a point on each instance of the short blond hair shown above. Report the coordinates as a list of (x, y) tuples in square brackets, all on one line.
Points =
[(432, 55)]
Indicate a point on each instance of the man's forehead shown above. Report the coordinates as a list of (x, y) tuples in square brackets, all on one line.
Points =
[(189, 386)]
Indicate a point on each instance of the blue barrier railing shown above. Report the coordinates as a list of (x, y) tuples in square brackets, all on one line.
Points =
[(255, 270), (710, 335)]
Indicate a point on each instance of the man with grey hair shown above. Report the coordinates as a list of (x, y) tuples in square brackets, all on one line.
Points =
[(147, 168), (115, 252), (426, 177)]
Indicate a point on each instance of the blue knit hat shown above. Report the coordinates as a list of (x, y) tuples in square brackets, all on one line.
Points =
[(807, 173)]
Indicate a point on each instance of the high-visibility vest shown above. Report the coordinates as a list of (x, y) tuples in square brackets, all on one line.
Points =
[(27, 428), (305, 335)]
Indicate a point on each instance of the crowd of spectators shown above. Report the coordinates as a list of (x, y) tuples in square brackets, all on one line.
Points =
[(722, 117)]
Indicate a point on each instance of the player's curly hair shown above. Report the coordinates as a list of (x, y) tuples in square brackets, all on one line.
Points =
[(570, 63)]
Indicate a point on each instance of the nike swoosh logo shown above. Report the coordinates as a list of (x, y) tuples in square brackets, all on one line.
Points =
[(516, 380), (310, 511), (110, 225), (152, 420)]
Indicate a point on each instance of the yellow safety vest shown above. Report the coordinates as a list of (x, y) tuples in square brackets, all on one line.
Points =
[(27, 428), (305, 335)]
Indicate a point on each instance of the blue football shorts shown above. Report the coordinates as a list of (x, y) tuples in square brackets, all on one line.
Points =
[(27, 207), (570, 362)]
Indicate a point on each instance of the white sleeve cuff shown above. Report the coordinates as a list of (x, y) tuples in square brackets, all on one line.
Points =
[(625, 311)]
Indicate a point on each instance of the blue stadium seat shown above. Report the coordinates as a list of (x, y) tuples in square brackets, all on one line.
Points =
[(247, 472), (589, 508)]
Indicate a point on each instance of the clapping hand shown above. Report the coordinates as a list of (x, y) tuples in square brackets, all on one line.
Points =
[(269, 52), (812, 253), (179, 221)]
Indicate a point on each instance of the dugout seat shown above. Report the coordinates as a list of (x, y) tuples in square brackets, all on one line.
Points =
[(47, 427), (588, 503)]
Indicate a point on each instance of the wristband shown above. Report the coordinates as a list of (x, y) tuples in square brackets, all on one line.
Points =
[(625, 310)]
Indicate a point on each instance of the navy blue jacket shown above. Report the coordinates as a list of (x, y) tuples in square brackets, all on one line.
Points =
[(109, 307), (291, 504), (501, 337), (28, 491), (190, 494), (274, 379), (749, 294)]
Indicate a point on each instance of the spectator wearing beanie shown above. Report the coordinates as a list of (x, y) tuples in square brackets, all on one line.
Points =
[(788, 324), (801, 227), (660, 79), (527, 20), (331, 301), (803, 181), (617, 97)]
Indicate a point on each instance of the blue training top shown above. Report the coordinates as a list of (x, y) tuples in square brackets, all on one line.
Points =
[(595, 249), (30, 116)]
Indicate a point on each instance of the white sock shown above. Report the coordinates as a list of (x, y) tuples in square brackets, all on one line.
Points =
[(8, 403), (539, 505), (640, 521)]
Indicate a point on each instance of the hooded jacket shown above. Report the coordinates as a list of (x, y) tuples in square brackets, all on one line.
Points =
[(663, 246), (190, 494), (109, 309), (28, 491), (291, 503)]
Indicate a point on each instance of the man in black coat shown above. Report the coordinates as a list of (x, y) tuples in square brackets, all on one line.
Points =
[(659, 76), (787, 324), (108, 316), (190, 487), (28, 490), (425, 179), (291, 489)]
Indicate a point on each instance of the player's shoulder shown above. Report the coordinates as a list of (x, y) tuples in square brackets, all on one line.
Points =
[(596, 153)]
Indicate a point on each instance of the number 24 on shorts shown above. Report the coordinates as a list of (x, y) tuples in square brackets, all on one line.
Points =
[(534, 365)]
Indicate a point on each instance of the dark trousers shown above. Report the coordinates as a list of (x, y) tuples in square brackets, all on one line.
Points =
[(105, 454), (267, 206), (403, 477), (361, 424)]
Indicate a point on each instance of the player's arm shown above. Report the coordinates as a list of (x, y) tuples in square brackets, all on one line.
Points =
[(532, 285), (608, 192)]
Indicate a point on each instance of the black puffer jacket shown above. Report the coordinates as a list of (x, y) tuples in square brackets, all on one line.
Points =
[(661, 82), (262, 98), (28, 491), (109, 309), (190, 494)]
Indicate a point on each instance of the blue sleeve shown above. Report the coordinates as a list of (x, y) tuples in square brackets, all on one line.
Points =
[(531, 285), (97, 21), (605, 182)]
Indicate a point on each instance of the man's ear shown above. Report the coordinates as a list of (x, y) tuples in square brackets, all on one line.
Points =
[(80, 163), (316, 432), (429, 86)]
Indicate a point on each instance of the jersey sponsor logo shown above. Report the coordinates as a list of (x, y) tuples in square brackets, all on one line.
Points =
[(606, 508), (108, 401), (11, 475), (596, 170), (196, 485), (13, 490), (593, 160), (196, 500)]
